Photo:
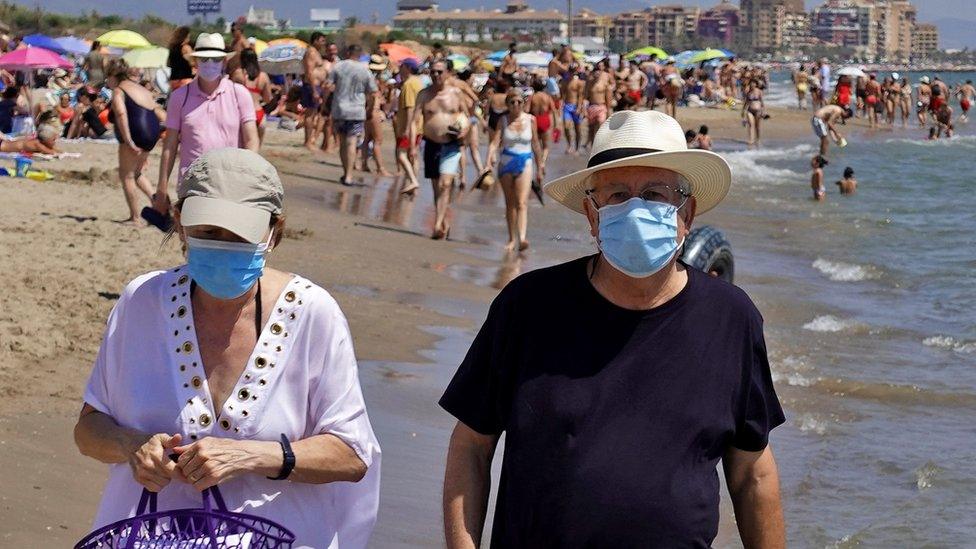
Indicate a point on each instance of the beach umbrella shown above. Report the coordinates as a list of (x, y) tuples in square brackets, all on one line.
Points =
[(706, 55), (43, 41), (459, 61), (123, 39), (535, 58), (647, 52), (282, 59), (152, 57), (398, 52), (288, 42), (259, 46), (683, 59), (29, 59), (497, 56), (73, 44), (855, 72)]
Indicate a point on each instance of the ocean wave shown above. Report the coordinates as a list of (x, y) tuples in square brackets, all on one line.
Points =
[(793, 379), (747, 168), (811, 423), (959, 141), (950, 344), (830, 324), (845, 272)]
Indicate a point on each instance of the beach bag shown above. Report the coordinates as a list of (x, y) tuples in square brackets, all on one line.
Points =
[(205, 528)]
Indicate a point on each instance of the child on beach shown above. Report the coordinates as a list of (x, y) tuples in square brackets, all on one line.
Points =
[(704, 142), (816, 178), (848, 185)]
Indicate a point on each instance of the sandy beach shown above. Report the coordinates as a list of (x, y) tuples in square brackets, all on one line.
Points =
[(67, 258)]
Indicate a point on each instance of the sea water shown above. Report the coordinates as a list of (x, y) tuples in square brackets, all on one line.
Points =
[(870, 309)]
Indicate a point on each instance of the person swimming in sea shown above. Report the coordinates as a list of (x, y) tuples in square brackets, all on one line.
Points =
[(817, 177), (848, 185)]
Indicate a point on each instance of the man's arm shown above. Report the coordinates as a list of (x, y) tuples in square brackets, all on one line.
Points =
[(467, 481), (753, 482), (251, 140)]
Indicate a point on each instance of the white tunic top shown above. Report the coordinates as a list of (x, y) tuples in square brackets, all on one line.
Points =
[(301, 380)]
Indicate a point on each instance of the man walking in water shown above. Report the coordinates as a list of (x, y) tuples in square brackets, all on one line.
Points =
[(824, 125), (445, 112), (966, 94), (572, 90), (312, 96), (354, 88), (599, 96)]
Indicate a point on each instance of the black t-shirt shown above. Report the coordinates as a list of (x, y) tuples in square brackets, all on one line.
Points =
[(614, 419)]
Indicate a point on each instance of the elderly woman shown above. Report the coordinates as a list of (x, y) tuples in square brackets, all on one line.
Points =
[(225, 372)]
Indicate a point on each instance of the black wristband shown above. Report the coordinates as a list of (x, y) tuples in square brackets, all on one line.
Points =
[(289, 460)]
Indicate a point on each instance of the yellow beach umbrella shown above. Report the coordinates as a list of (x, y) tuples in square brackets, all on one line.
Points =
[(152, 57), (288, 42), (259, 46), (123, 39)]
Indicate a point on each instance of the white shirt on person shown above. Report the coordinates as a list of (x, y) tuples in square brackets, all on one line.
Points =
[(301, 380)]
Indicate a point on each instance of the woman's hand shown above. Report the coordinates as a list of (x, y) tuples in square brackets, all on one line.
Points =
[(211, 461), (150, 462)]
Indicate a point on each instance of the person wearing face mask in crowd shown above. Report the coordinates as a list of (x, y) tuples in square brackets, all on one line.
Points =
[(211, 112), (620, 379), (225, 372)]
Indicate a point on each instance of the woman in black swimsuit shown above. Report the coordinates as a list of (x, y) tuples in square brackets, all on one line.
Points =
[(137, 120)]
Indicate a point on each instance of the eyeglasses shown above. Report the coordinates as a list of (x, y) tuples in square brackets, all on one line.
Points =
[(667, 194), (436, 72)]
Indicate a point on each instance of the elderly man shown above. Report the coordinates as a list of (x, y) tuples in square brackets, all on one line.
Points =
[(621, 379)]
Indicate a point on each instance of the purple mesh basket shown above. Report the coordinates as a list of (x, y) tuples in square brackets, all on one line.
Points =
[(189, 528)]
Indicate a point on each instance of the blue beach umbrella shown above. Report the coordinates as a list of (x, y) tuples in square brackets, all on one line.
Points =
[(73, 44), (497, 55), (43, 41)]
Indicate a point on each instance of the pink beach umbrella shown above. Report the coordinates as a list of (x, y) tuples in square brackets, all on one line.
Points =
[(29, 59)]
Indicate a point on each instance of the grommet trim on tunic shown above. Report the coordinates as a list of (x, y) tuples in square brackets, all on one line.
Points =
[(241, 411)]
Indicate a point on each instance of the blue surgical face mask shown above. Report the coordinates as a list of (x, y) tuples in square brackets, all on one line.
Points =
[(639, 237), (210, 70), (225, 270)]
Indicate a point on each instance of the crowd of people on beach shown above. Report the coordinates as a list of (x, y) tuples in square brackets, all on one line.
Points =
[(341, 102)]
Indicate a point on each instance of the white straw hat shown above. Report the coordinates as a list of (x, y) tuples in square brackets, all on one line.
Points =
[(648, 139), (210, 45)]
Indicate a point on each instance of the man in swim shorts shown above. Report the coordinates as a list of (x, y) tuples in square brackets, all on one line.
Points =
[(599, 96), (445, 124), (312, 82), (966, 93), (823, 123), (572, 110)]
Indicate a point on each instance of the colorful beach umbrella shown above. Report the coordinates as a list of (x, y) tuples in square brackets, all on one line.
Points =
[(152, 57), (497, 56), (29, 59), (537, 58), (123, 39), (398, 52), (43, 41), (73, 44), (707, 55), (259, 46), (288, 42), (282, 59), (459, 61), (647, 52)]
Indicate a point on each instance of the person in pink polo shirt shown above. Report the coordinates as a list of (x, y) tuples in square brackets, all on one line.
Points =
[(211, 112)]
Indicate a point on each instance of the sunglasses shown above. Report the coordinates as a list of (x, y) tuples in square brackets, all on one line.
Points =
[(436, 72)]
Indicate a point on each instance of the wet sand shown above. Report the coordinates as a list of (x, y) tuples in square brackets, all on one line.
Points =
[(412, 305)]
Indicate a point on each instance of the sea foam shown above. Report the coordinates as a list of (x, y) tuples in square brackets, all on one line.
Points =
[(830, 324), (950, 344), (845, 272)]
